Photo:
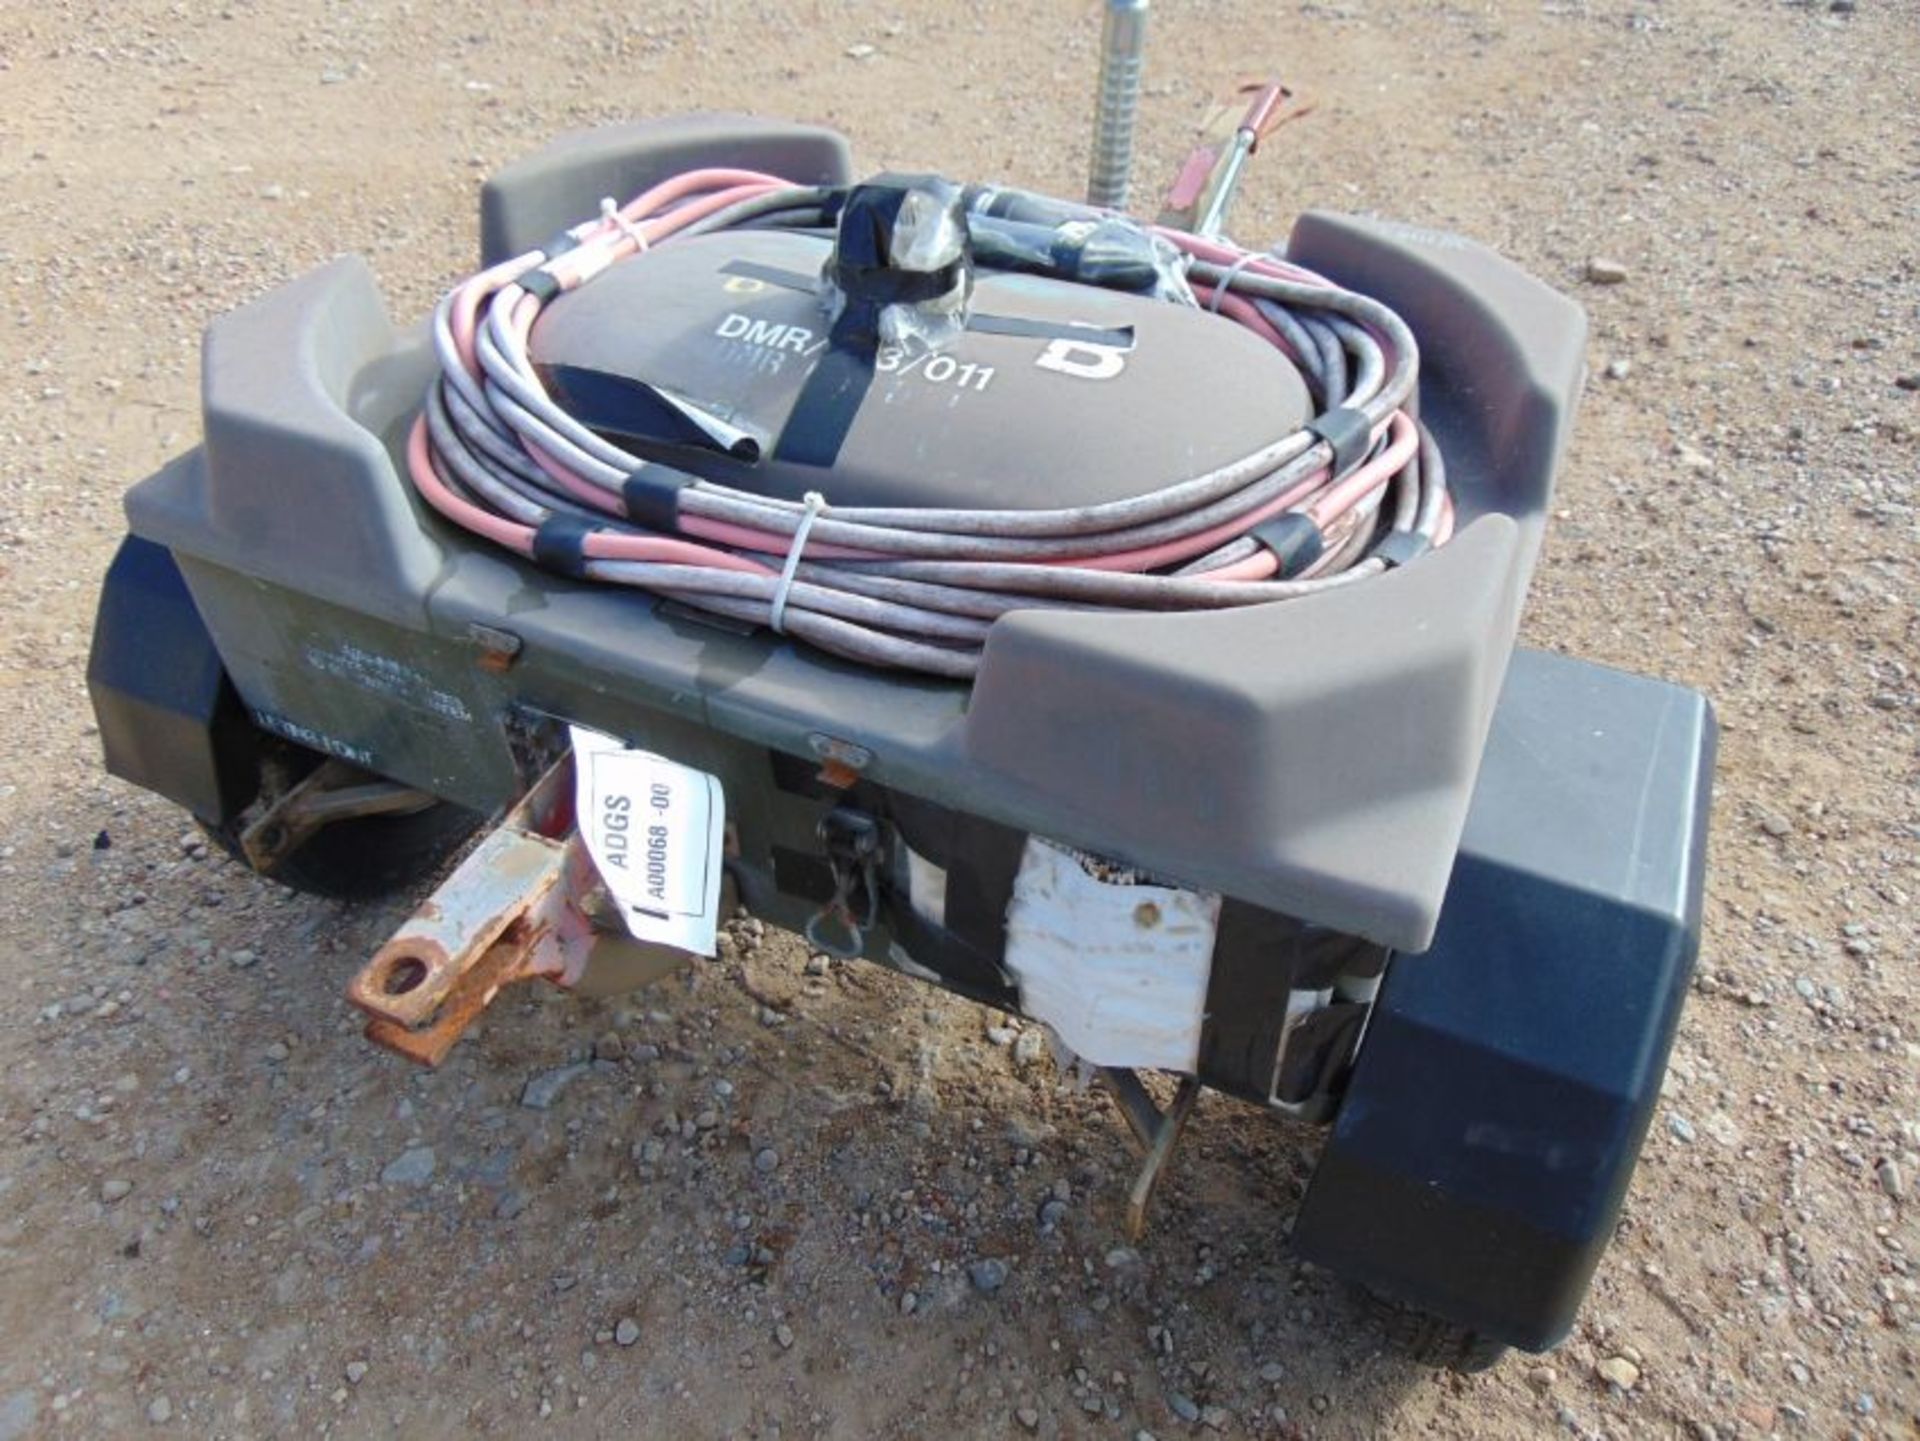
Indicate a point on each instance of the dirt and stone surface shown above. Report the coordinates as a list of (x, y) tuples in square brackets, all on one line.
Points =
[(777, 1196)]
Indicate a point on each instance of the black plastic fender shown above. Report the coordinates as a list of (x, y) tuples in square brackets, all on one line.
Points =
[(1479, 1159), (170, 719)]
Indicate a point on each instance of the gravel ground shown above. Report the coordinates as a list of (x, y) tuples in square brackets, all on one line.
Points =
[(779, 1197)]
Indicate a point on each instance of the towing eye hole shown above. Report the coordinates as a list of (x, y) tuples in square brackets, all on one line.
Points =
[(404, 975)]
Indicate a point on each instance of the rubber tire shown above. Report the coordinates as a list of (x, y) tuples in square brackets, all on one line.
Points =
[(1430, 1340), (356, 860)]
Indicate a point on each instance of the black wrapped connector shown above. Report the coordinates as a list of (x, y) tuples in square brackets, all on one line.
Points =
[(1110, 252), (560, 544), (540, 283), (901, 274), (1295, 540), (1348, 431), (901, 261), (651, 497)]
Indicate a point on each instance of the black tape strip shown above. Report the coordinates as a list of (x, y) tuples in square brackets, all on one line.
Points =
[(560, 544), (831, 395), (828, 402), (1247, 992), (1021, 326), (559, 245), (1401, 546), (771, 274), (1017, 325), (651, 496), (540, 284), (621, 405), (878, 286), (1119, 338), (959, 963), (1294, 539), (1348, 431)]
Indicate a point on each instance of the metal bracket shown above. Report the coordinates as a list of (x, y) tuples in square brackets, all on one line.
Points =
[(1204, 188), (1157, 1131), (332, 791), (526, 904)]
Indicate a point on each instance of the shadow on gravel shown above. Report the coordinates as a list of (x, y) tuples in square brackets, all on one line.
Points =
[(766, 1195)]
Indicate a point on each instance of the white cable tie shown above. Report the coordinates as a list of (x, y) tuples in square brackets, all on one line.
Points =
[(1225, 282), (610, 212), (816, 504)]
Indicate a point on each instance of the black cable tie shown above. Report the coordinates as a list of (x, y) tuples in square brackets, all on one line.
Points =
[(1294, 539), (560, 544), (651, 496), (1401, 546), (1348, 431), (542, 285)]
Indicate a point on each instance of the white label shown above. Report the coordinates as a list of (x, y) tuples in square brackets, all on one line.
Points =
[(1083, 358), (654, 828), (1118, 970)]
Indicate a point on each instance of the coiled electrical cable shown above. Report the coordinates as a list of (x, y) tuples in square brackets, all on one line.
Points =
[(919, 587)]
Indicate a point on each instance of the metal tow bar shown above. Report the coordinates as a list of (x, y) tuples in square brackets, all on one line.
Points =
[(527, 903), (335, 791)]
